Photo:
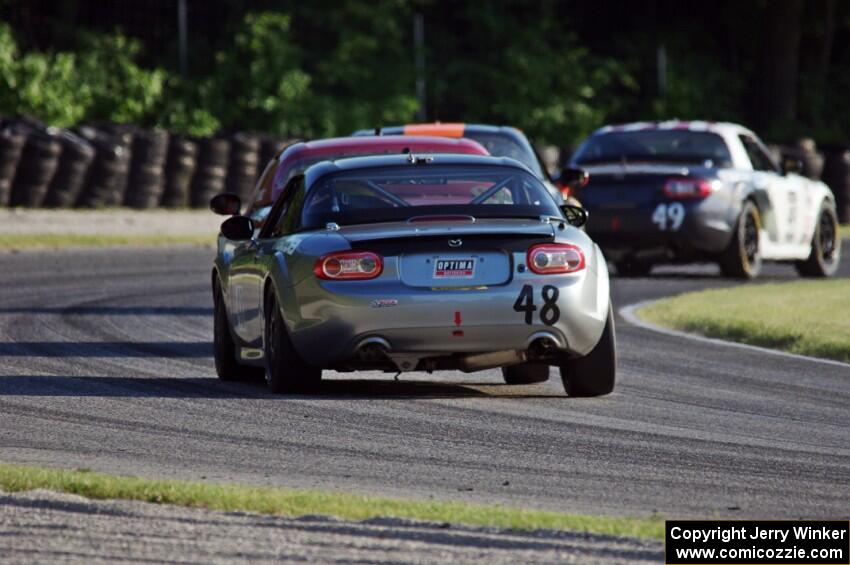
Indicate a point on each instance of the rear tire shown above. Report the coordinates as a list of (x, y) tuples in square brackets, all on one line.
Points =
[(226, 365), (525, 373), (286, 370), (595, 373), (742, 259), (825, 256), (633, 268)]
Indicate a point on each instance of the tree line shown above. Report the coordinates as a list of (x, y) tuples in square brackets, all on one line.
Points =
[(556, 69)]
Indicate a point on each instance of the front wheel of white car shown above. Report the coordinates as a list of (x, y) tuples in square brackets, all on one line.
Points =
[(825, 255), (286, 370), (595, 373)]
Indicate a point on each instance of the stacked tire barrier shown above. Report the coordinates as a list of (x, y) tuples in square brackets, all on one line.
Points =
[(107, 178), (146, 179), (71, 173), (836, 174), (211, 173), (269, 148), (105, 164), (179, 170), (244, 163), (11, 147), (36, 167)]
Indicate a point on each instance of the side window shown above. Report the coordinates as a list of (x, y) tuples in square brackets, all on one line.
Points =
[(286, 214), (262, 192), (758, 157)]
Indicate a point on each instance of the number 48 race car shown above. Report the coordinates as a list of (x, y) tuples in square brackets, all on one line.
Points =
[(701, 191), (413, 263)]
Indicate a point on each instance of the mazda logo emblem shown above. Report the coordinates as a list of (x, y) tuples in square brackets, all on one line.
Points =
[(455, 243)]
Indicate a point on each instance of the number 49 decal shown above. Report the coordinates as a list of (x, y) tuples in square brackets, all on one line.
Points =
[(669, 216), (549, 312)]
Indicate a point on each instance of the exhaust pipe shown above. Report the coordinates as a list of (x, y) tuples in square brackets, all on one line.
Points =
[(373, 349), (481, 361)]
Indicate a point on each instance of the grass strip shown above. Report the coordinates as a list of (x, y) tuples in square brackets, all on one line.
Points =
[(288, 502), (21, 242), (805, 317)]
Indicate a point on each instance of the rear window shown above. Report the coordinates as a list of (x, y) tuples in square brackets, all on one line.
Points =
[(301, 165), (400, 193), (678, 146), (502, 145)]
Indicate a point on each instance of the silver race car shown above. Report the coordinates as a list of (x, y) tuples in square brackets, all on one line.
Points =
[(413, 263)]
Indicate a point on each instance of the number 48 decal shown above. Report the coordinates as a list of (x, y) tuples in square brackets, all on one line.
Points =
[(549, 313), (669, 216)]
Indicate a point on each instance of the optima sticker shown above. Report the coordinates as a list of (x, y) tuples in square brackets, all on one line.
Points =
[(454, 269)]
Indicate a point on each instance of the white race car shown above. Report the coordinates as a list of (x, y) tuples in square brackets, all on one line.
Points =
[(667, 192)]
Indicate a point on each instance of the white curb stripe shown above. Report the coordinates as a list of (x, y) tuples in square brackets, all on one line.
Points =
[(628, 313)]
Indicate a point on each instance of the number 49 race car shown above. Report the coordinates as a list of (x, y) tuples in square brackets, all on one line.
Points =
[(413, 263), (702, 191)]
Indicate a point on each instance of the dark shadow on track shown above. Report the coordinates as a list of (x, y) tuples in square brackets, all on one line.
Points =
[(113, 310), (129, 387), (107, 349)]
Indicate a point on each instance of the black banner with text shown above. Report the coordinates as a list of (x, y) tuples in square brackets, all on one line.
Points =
[(744, 542)]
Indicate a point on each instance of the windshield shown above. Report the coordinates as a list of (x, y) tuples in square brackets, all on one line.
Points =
[(678, 146), (400, 193), (503, 145)]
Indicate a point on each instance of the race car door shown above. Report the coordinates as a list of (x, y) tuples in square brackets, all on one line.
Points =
[(781, 217)]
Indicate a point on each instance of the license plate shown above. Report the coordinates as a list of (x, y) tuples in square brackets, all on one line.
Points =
[(454, 268)]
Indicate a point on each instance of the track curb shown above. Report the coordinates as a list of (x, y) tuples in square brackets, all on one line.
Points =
[(629, 314)]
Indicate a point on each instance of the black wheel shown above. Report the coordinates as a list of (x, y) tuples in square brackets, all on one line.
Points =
[(826, 247), (595, 373), (633, 268), (742, 259), (525, 373), (226, 365), (286, 371)]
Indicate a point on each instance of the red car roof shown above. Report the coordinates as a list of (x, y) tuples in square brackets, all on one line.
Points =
[(299, 156), (363, 145)]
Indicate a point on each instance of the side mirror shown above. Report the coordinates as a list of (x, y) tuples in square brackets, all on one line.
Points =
[(576, 215), (573, 178), (238, 228), (791, 164), (225, 204)]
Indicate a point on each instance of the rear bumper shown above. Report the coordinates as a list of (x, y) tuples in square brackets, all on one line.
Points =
[(333, 319), (707, 229)]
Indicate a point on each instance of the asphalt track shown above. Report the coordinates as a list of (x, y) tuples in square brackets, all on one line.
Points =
[(106, 364)]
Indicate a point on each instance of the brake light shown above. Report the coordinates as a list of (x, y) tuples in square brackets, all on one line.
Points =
[(348, 265), (555, 258), (679, 188)]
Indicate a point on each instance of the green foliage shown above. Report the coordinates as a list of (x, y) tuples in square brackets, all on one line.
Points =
[(119, 89), (520, 67), (258, 83), (182, 111), (101, 80), (360, 63)]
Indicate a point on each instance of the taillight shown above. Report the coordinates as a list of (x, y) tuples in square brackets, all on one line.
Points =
[(555, 258), (348, 265), (679, 188)]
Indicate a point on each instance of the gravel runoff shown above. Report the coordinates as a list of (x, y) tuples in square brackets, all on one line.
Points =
[(46, 527), (116, 221)]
